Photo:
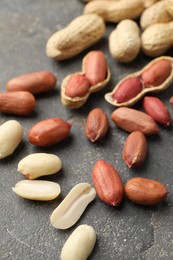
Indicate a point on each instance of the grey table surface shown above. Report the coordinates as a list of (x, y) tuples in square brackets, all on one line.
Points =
[(126, 232)]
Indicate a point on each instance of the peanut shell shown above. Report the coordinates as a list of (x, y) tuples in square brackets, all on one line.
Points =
[(77, 102), (78, 35), (157, 39), (109, 96)]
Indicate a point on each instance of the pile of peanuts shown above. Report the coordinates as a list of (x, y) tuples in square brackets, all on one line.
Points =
[(125, 43)]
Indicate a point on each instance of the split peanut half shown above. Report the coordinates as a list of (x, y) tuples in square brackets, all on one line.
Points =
[(72, 207)]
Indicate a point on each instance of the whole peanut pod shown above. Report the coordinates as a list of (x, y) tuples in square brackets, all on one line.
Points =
[(157, 39), (169, 6), (113, 11), (147, 3), (124, 41), (156, 76), (78, 35), (156, 13)]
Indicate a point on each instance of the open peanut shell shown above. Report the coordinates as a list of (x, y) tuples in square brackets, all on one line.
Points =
[(145, 90), (77, 102)]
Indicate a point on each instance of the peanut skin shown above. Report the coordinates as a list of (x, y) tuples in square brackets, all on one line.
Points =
[(107, 183), (49, 132), (77, 86), (95, 67), (145, 191), (97, 125), (36, 82), (17, 102), (124, 41), (154, 107), (157, 73), (135, 149), (133, 120), (128, 89)]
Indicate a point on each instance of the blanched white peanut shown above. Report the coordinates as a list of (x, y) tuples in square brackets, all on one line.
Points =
[(72, 207), (124, 41), (80, 243), (11, 134), (39, 164), (37, 189)]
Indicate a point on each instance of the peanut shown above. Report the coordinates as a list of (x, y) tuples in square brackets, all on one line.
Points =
[(135, 149), (78, 35), (157, 39), (96, 125), (127, 90), (169, 7), (37, 190), (148, 3), (11, 134), (80, 244), (115, 11), (71, 208), (156, 76), (124, 41), (36, 82), (107, 183), (17, 103), (133, 120), (95, 70), (156, 13), (154, 107), (49, 132), (171, 100), (77, 86), (145, 191), (95, 67), (96, 0), (39, 164), (157, 73)]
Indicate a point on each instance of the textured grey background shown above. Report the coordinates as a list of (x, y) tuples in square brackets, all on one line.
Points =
[(127, 232)]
